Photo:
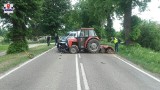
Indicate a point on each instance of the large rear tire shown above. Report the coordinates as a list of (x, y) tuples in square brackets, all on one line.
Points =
[(73, 49), (93, 46)]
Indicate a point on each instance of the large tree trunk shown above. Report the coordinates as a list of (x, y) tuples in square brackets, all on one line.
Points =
[(127, 22), (18, 36)]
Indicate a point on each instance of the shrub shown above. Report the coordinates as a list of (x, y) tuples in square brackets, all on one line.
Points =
[(18, 46), (135, 30), (150, 36)]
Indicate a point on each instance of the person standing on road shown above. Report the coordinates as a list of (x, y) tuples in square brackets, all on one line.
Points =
[(116, 44), (48, 40), (56, 39)]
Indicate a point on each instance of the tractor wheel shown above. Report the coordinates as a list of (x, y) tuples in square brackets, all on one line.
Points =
[(73, 49), (93, 46), (110, 51)]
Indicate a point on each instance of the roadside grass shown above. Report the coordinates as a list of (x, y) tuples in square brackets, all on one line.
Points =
[(146, 58), (12, 60), (3, 47), (1, 38)]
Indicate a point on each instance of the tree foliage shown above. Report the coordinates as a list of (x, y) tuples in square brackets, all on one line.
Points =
[(24, 11), (35, 26), (3, 32), (30, 17), (52, 15), (135, 28), (82, 16), (89, 18), (72, 19), (150, 37), (87, 15), (103, 10)]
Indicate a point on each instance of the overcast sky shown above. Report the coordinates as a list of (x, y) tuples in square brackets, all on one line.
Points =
[(152, 13), (73, 1)]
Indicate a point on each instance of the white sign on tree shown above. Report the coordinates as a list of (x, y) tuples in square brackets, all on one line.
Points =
[(8, 8)]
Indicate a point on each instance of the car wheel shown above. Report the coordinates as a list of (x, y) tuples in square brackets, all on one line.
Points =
[(73, 49)]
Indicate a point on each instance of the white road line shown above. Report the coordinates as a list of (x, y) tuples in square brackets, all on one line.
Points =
[(139, 69), (77, 74), (3, 76), (84, 77), (79, 55)]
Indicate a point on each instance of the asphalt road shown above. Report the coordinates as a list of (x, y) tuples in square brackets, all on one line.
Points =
[(56, 71)]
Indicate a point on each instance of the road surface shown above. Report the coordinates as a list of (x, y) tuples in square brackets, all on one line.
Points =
[(56, 71)]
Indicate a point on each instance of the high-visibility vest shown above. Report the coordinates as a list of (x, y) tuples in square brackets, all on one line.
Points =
[(115, 40)]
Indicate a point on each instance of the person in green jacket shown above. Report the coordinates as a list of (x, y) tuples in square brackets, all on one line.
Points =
[(116, 44)]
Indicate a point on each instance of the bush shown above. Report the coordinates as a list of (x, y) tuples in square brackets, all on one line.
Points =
[(5, 39), (150, 36), (135, 30), (18, 46)]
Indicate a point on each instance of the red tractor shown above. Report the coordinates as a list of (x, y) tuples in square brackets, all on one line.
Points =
[(84, 40)]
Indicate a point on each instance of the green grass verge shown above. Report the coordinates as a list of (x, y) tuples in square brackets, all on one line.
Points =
[(146, 58), (11, 60), (3, 47), (1, 38)]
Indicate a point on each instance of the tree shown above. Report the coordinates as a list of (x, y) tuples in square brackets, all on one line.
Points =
[(125, 7), (87, 16), (53, 13), (35, 26), (104, 10), (89, 19), (135, 28), (72, 19), (150, 36), (24, 11)]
